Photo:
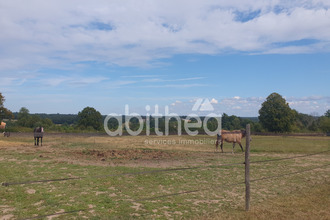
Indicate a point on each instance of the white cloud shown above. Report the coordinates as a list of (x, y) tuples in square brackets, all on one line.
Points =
[(11, 81), (72, 81), (172, 80), (141, 76), (54, 81), (214, 101), (119, 84), (176, 103), (60, 33), (249, 106), (310, 104), (178, 86), (81, 81)]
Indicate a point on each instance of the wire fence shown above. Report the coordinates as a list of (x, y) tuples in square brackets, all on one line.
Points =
[(188, 192), (119, 174), (7, 184), (154, 171)]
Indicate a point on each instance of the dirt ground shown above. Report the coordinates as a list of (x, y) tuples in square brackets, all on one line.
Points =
[(99, 155)]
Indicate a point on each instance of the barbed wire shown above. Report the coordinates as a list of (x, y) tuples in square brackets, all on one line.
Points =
[(288, 174), (152, 171), (187, 192), (119, 174), (288, 158), (233, 184)]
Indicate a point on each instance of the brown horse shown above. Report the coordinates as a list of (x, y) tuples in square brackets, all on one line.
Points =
[(3, 125), (234, 137), (38, 133)]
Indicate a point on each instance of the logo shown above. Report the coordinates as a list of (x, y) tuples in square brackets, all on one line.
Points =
[(190, 124), (202, 106)]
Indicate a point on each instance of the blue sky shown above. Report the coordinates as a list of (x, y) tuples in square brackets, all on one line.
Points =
[(59, 57)]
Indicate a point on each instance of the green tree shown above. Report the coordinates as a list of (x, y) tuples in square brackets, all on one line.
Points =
[(275, 114), (34, 121), (89, 117), (236, 123), (327, 113), (325, 122), (304, 122), (4, 112), (23, 117), (46, 122)]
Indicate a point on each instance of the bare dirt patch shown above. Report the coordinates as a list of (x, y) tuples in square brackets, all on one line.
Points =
[(127, 157), (31, 191), (6, 217), (5, 212)]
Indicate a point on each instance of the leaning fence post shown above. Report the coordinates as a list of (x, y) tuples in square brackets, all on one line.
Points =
[(247, 169)]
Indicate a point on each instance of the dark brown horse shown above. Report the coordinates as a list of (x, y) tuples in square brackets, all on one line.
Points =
[(6, 134), (234, 137), (38, 133)]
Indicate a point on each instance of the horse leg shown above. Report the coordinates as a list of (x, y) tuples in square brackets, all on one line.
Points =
[(41, 141), (221, 145), (233, 147), (35, 141), (241, 146), (217, 143)]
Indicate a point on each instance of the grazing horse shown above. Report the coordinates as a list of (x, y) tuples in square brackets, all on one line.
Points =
[(6, 134), (38, 133), (234, 137), (3, 125)]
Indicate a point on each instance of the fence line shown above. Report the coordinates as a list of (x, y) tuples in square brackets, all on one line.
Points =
[(154, 171), (187, 192), (288, 174), (120, 174), (291, 134), (190, 191), (233, 184), (287, 158)]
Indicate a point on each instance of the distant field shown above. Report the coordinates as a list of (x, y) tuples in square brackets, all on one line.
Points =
[(151, 188)]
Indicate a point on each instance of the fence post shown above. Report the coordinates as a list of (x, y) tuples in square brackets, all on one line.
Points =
[(247, 168)]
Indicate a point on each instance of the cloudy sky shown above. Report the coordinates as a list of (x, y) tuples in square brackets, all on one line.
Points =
[(61, 56)]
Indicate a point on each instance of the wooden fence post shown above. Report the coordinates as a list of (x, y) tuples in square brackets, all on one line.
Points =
[(247, 168)]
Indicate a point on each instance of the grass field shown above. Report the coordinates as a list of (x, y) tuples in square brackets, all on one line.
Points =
[(133, 177)]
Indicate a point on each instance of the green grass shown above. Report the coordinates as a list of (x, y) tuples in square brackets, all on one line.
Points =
[(122, 196), (286, 144)]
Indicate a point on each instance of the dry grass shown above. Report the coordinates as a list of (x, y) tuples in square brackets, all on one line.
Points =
[(303, 196), (312, 203)]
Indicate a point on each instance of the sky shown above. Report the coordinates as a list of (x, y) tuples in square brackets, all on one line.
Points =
[(61, 56)]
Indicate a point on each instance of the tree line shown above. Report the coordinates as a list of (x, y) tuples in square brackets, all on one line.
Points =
[(275, 115)]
